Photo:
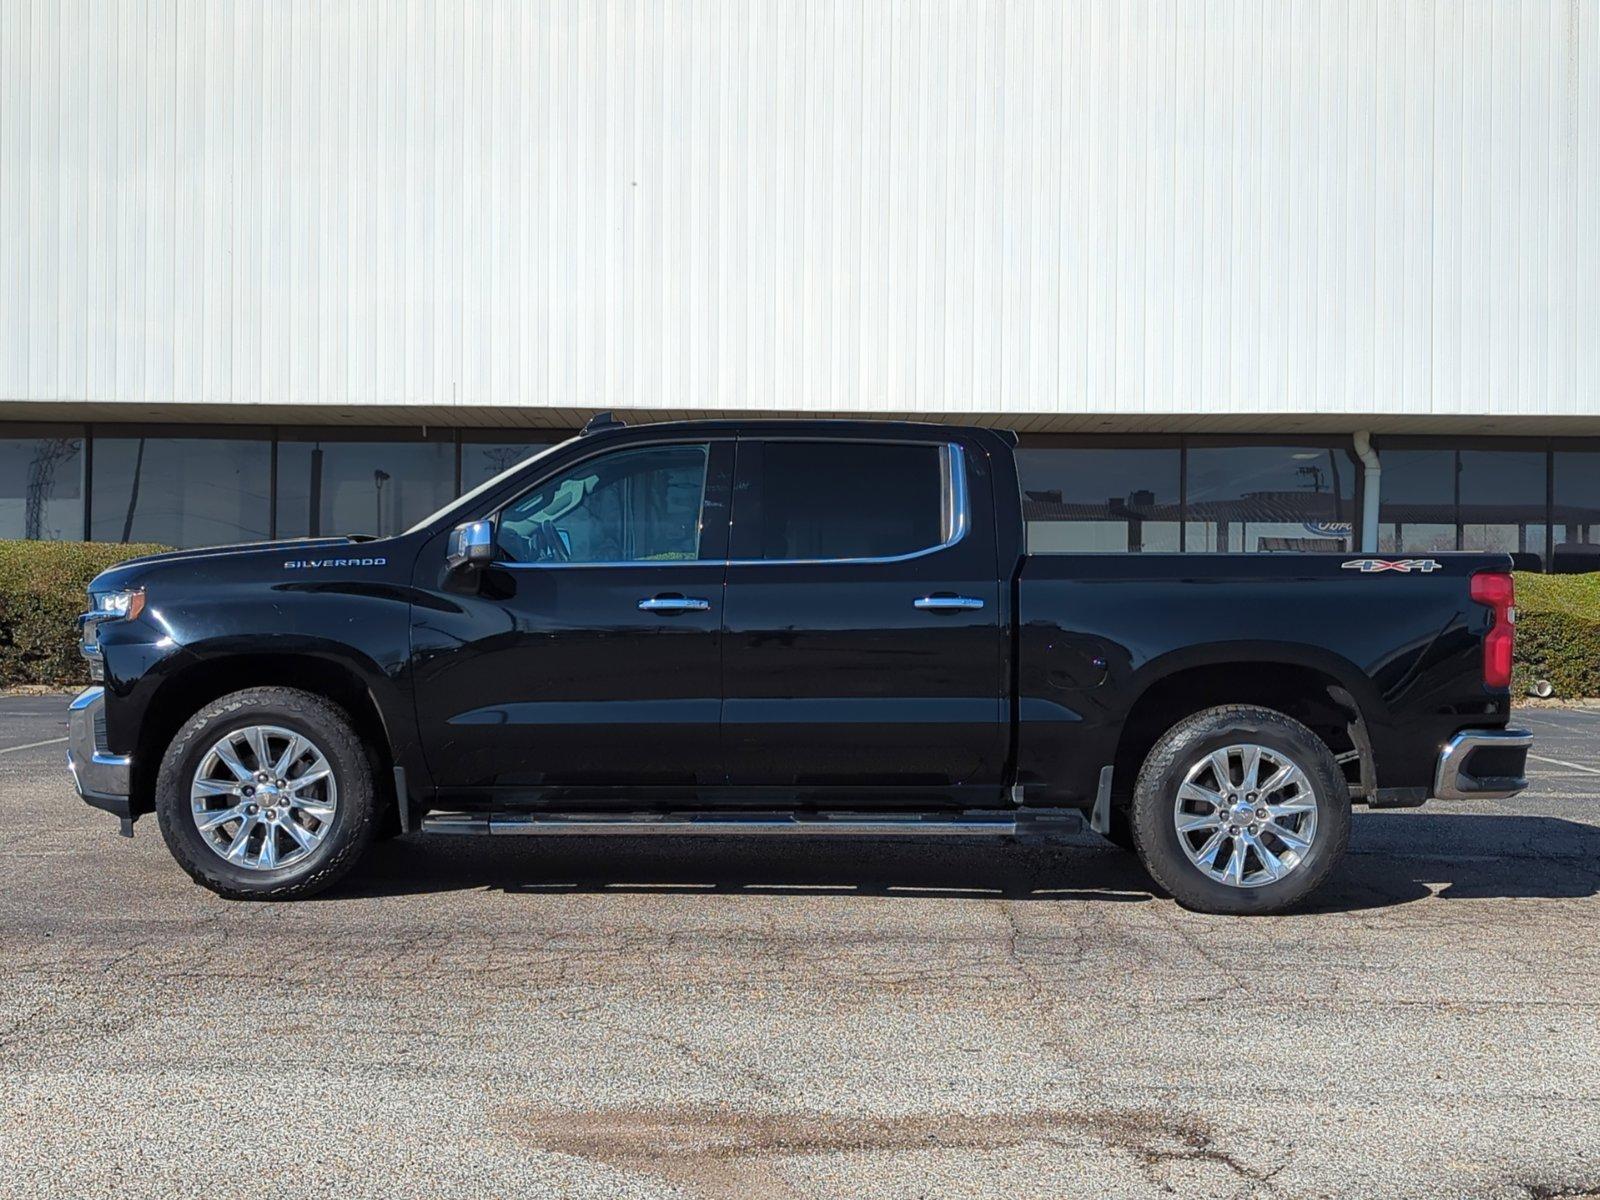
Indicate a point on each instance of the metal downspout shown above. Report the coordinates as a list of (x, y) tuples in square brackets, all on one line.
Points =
[(1371, 489)]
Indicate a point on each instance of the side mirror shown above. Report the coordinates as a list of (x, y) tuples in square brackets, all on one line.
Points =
[(471, 546)]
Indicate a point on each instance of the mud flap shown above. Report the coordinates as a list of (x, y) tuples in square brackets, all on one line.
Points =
[(1100, 817)]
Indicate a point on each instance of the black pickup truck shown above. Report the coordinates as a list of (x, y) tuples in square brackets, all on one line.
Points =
[(802, 627)]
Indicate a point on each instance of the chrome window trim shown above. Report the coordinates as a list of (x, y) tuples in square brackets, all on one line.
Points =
[(957, 517)]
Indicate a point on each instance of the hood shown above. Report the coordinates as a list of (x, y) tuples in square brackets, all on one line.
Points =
[(124, 573)]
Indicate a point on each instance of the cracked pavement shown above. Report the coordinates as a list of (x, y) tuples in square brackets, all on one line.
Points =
[(797, 1018)]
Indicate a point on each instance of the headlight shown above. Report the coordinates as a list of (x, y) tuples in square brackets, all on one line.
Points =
[(117, 606)]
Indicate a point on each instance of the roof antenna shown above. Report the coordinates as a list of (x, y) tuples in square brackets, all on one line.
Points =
[(603, 420)]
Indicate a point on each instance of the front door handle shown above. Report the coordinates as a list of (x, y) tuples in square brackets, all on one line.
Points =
[(948, 603), (672, 604)]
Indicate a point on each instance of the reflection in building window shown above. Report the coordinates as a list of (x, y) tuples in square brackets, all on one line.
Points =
[(1250, 499), (481, 461), (1100, 500), (1439, 500), (1576, 511), (181, 491), (41, 487), (378, 488)]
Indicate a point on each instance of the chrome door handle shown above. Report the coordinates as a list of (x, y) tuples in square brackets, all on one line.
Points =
[(670, 604), (948, 603)]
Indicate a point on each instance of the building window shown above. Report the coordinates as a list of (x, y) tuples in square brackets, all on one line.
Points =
[(1102, 499), (1502, 502), (1575, 483), (329, 485), (181, 491), (483, 460), (41, 486), (1248, 499), (1488, 500), (1417, 512)]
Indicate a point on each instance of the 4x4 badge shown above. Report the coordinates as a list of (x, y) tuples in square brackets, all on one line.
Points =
[(1370, 566)]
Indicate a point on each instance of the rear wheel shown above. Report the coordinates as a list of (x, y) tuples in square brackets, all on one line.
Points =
[(1240, 810), (266, 793)]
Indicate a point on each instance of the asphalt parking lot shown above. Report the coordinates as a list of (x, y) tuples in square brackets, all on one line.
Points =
[(724, 1018)]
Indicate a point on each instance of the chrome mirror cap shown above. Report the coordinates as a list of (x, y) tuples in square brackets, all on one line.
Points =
[(471, 545)]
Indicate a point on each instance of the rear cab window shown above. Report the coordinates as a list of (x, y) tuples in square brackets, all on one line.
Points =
[(805, 501)]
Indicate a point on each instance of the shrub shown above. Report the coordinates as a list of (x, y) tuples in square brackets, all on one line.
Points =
[(41, 595), (1558, 634)]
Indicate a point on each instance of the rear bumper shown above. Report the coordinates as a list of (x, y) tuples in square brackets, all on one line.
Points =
[(1483, 764), (103, 779)]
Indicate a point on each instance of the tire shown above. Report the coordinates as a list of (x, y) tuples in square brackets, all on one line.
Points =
[(1313, 808), (335, 813)]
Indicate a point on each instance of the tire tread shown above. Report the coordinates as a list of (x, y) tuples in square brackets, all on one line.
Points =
[(1194, 890), (356, 795)]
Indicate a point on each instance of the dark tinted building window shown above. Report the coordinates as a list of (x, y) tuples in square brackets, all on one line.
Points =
[(1502, 505), (837, 500), (378, 487), (1269, 498), (1086, 499), (181, 491), (1576, 515), (1417, 512), (1462, 500), (484, 460), (41, 487)]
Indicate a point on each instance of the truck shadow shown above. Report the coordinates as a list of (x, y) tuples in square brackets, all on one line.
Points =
[(1395, 858)]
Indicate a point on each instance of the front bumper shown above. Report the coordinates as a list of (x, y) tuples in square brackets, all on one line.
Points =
[(1483, 764), (103, 779)]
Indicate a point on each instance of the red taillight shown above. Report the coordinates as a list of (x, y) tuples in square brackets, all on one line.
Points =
[(1499, 591)]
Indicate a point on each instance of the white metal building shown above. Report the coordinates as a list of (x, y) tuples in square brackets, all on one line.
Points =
[(1187, 248)]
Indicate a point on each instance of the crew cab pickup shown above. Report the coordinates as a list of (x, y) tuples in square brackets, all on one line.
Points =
[(803, 627)]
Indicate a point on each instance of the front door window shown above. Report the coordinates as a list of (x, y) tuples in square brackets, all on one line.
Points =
[(634, 506)]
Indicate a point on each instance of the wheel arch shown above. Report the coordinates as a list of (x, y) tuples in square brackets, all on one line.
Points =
[(187, 690), (1318, 688)]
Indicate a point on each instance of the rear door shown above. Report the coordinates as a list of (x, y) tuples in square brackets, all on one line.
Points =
[(861, 627)]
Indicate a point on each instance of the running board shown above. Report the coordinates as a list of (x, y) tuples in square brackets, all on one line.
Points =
[(547, 824)]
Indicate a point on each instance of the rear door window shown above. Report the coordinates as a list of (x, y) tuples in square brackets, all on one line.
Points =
[(798, 500)]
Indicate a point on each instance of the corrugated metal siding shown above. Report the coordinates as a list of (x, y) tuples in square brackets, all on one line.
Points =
[(1129, 207)]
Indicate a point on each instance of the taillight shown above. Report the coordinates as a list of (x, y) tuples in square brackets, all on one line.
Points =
[(1499, 591)]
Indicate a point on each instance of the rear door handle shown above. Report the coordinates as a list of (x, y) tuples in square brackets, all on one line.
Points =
[(948, 603), (672, 604)]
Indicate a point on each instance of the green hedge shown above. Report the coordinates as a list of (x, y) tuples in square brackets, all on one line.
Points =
[(41, 595), (1558, 634)]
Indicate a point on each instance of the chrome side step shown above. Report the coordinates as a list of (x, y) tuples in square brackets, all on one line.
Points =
[(549, 824)]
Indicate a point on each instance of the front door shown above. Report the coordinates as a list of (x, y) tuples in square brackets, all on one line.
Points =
[(862, 648), (588, 656)]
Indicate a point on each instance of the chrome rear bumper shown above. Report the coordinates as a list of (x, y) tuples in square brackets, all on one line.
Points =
[(103, 779), (1483, 764)]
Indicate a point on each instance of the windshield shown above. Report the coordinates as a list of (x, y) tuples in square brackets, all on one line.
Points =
[(486, 486)]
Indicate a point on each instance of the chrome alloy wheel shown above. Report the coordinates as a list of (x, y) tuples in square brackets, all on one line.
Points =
[(263, 797), (1246, 815)]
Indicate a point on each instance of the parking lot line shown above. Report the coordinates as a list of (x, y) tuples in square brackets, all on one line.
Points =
[(1563, 763), (31, 745)]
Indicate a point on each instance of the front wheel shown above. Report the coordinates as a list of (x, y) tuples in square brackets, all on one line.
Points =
[(266, 794), (1240, 810)]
